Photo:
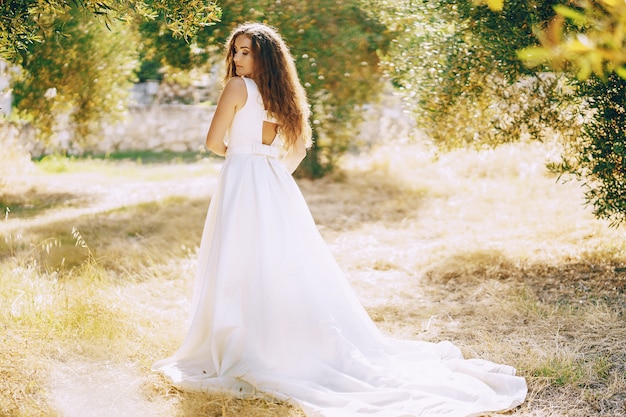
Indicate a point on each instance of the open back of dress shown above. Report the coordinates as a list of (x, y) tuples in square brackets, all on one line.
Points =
[(273, 313)]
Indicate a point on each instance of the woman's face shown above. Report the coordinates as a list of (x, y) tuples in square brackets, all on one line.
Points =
[(242, 56)]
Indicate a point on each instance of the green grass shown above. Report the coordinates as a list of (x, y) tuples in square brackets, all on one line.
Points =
[(149, 166), (57, 163)]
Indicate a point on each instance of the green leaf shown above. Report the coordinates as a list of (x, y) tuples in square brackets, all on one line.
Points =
[(585, 70), (496, 5), (621, 71), (534, 55), (578, 18)]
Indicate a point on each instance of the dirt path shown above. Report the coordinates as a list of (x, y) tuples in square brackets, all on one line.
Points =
[(89, 193)]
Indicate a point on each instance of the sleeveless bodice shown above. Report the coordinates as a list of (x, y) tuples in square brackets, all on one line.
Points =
[(245, 135)]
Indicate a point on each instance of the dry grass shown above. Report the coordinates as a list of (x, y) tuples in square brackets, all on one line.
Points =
[(481, 248)]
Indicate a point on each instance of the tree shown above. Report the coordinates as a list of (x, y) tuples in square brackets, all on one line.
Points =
[(24, 22), (598, 157), (78, 57), (79, 73), (457, 68)]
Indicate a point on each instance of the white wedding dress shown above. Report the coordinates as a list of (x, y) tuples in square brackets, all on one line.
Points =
[(272, 313)]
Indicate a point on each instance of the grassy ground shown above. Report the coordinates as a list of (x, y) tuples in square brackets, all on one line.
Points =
[(482, 248)]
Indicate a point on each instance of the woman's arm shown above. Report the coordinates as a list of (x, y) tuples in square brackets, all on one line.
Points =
[(294, 156), (232, 99)]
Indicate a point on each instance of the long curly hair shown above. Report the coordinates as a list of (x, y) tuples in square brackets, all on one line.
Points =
[(275, 74)]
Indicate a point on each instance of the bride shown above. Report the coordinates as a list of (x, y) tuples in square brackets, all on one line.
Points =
[(271, 310)]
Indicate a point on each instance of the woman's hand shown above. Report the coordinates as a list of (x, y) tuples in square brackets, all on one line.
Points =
[(294, 156)]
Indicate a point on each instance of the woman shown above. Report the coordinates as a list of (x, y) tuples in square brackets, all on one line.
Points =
[(271, 310)]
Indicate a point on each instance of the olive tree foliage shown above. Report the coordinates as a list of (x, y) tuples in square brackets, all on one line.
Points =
[(83, 76), (587, 39), (77, 59), (24, 22), (456, 65), (336, 47), (598, 156)]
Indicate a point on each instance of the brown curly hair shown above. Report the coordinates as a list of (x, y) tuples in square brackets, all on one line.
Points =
[(275, 74)]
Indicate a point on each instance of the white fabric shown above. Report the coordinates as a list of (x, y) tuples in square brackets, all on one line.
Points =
[(272, 313)]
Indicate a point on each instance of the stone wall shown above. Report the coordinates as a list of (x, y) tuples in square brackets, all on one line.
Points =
[(183, 127), (180, 128), (173, 127)]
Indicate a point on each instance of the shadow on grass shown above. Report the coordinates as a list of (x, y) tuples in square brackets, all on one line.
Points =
[(593, 275), (123, 239), (357, 198), (34, 201)]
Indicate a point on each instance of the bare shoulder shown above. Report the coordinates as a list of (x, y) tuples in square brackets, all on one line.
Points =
[(234, 94), (236, 82), (236, 87)]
